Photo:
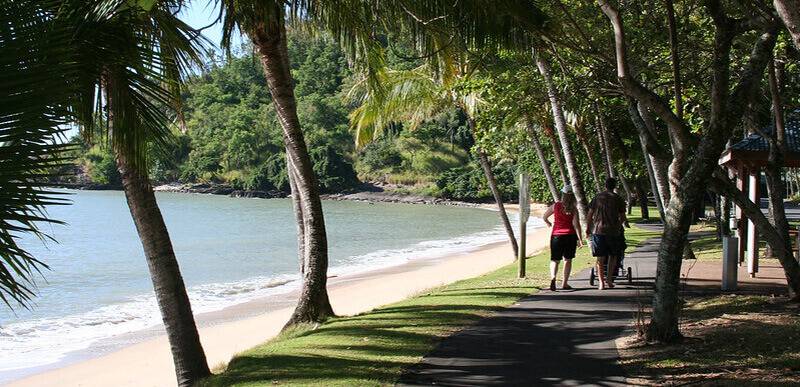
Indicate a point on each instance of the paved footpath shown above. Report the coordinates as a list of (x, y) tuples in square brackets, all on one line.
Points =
[(562, 338)]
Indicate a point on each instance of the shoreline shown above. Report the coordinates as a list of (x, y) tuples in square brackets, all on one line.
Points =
[(242, 326)]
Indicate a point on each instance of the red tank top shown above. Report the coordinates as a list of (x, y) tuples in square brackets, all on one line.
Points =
[(562, 223)]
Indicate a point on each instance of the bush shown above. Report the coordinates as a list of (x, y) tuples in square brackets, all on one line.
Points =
[(381, 155), (270, 175), (100, 167), (334, 172), (469, 183)]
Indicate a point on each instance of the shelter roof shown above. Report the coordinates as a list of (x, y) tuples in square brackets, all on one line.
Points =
[(754, 150)]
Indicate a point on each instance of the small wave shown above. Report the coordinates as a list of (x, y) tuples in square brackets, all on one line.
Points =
[(43, 339)]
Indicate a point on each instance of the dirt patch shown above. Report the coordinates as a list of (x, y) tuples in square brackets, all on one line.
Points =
[(728, 340)]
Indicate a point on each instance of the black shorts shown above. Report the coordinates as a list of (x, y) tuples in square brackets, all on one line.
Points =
[(563, 246), (606, 245)]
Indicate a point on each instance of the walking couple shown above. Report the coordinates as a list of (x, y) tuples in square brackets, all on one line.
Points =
[(604, 223)]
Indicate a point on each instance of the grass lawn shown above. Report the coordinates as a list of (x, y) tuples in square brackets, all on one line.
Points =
[(373, 349)]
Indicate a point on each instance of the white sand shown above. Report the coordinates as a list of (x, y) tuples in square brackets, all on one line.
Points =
[(150, 363)]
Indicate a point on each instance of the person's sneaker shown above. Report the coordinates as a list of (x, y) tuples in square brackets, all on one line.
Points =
[(553, 284)]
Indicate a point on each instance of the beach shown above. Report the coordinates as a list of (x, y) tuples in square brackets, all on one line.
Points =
[(149, 363)]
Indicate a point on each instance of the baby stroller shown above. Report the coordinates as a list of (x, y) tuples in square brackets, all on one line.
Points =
[(622, 271)]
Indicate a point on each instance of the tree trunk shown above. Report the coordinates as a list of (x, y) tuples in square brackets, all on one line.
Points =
[(562, 169), (781, 246), (789, 11), (542, 159), (602, 135), (628, 192), (269, 40), (660, 165), (642, 197), (592, 165), (498, 198), (775, 187), (561, 126), (693, 160), (176, 311)]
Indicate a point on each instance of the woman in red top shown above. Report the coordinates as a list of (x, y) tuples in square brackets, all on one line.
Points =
[(565, 237)]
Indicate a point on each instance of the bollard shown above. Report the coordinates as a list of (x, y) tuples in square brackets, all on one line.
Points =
[(730, 262)]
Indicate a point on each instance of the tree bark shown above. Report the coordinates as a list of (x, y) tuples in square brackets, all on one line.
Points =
[(642, 197), (660, 162), (562, 169), (498, 198), (561, 126), (269, 40), (542, 159), (639, 123), (173, 301), (789, 11), (592, 164), (602, 134)]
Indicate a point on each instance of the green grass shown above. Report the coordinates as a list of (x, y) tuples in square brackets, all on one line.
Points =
[(373, 349)]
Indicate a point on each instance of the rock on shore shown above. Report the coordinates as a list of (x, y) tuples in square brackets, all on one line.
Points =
[(372, 195)]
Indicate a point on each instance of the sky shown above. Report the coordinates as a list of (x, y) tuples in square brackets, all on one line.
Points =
[(201, 13)]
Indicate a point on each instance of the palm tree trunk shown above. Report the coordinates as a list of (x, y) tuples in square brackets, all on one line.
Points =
[(498, 198), (592, 164), (639, 123), (562, 169), (542, 159), (176, 311), (561, 126), (602, 138), (660, 167), (313, 305)]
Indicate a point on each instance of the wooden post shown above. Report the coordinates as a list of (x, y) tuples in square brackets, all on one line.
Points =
[(752, 233), (741, 224), (524, 213)]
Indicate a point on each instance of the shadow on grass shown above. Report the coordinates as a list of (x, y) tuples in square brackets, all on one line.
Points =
[(369, 349)]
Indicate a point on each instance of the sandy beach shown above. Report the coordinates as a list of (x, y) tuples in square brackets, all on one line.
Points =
[(149, 363)]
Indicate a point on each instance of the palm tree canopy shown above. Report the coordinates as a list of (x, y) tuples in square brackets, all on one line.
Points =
[(407, 96), (133, 55), (37, 66)]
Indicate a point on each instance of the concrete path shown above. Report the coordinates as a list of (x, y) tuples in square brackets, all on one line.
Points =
[(561, 338)]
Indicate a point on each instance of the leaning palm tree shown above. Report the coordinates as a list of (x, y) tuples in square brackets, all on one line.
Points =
[(34, 105), (356, 26), (414, 96), (131, 56)]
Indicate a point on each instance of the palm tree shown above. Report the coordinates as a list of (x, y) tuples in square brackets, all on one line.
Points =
[(264, 24), (131, 58), (355, 25), (548, 174), (413, 97), (34, 104), (561, 127)]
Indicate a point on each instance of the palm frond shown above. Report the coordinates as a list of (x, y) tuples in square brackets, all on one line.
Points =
[(132, 61), (37, 67)]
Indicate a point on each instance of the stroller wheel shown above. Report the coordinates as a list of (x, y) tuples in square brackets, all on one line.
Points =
[(630, 276), (592, 276)]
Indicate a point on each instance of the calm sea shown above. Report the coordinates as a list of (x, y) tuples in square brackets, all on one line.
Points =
[(231, 250)]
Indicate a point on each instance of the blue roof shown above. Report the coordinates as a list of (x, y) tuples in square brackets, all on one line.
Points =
[(755, 142)]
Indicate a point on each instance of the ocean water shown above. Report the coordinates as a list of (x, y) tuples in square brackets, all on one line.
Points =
[(230, 251)]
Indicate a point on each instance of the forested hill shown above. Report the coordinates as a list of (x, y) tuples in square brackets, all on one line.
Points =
[(231, 135)]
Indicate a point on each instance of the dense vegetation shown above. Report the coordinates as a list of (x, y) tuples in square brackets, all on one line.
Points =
[(230, 135)]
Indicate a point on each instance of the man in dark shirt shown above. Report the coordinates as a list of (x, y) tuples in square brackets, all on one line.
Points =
[(604, 224)]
